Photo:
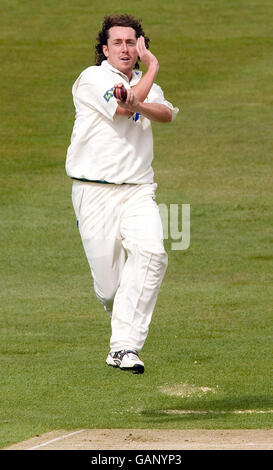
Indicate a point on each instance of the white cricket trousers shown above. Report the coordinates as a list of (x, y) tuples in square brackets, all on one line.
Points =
[(122, 235)]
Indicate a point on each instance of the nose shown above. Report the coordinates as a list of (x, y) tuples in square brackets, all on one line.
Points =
[(124, 46)]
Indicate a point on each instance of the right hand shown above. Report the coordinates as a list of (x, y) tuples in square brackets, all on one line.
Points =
[(131, 102), (146, 57)]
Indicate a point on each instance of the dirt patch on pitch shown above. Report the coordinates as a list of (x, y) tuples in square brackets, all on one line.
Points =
[(150, 439), (185, 390)]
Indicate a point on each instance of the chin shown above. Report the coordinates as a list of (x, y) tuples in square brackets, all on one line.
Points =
[(123, 68)]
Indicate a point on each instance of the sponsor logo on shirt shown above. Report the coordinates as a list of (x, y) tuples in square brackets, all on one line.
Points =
[(108, 94), (136, 117)]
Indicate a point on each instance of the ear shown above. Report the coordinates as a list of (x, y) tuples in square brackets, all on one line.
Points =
[(105, 50)]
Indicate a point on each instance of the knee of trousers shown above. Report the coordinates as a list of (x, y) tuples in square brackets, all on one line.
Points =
[(154, 261), (106, 294), (155, 253)]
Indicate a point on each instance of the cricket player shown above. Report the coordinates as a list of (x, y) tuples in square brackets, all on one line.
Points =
[(113, 192)]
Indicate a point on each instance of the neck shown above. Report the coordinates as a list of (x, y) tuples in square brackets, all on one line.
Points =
[(129, 74)]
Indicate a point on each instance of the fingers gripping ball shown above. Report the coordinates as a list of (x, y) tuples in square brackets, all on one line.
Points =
[(120, 92)]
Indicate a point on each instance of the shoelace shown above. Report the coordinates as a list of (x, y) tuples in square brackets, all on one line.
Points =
[(121, 354)]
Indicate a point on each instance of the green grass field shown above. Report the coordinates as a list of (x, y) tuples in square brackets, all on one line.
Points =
[(212, 326)]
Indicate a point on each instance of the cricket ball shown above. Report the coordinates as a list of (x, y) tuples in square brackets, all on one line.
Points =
[(120, 93)]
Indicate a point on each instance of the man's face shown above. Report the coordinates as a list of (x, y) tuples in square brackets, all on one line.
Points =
[(120, 50)]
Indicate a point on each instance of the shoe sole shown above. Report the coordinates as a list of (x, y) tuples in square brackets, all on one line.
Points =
[(136, 369), (116, 366)]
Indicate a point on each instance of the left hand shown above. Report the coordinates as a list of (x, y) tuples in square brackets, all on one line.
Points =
[(145, 55)]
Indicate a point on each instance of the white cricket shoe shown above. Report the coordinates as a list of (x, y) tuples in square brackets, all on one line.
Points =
[(131, 362), (125, 360), (113, 359)]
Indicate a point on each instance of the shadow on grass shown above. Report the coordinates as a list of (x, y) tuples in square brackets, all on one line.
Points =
[(188, 411)]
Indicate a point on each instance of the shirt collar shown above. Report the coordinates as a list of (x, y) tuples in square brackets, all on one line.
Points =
[(135, 77)]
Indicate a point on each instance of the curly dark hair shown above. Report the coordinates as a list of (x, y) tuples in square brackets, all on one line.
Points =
[(117, 20)]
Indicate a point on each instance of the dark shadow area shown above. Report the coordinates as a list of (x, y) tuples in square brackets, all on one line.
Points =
[(215, 408)]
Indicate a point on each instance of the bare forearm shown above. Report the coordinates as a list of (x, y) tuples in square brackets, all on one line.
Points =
[(144, 85), (123, 112), (142, 88), (154, 111)]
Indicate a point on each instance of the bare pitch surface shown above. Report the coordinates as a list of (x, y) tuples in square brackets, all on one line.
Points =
[(150, 439)]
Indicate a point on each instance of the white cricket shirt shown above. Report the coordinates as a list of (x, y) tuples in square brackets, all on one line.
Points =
[(105, 146)]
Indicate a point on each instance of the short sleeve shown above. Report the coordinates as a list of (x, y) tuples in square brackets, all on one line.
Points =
[(96, 94), (156, 95)]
